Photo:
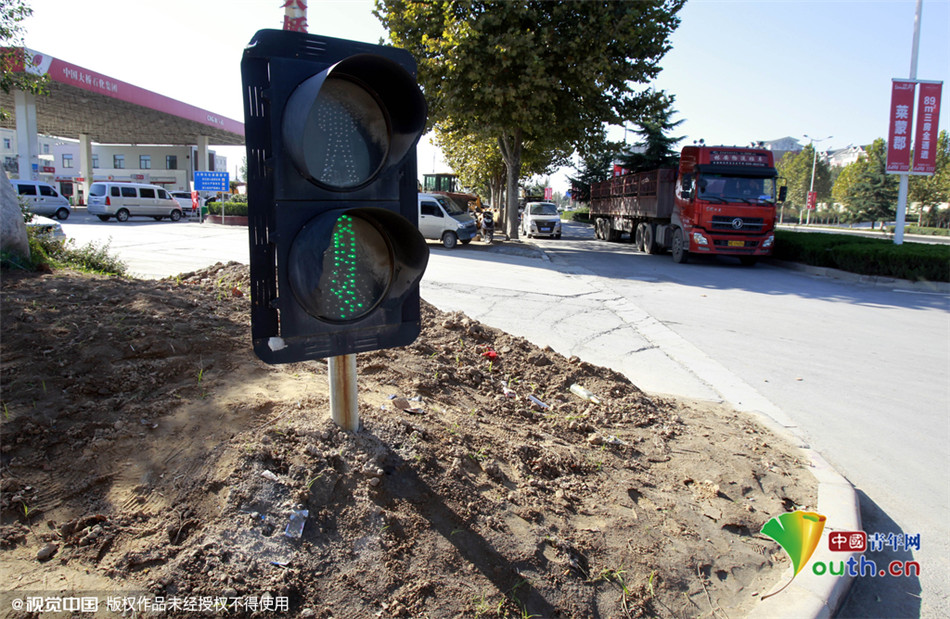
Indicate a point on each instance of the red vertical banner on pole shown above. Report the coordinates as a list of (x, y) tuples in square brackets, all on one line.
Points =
[(925, 137), (295, 15), (901, 120)]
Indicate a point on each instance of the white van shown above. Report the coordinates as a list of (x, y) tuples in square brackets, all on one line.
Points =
[(124, 200), (443, 220), (42, 198)]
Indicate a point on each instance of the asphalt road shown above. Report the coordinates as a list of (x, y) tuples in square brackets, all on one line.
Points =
[(862, 371)]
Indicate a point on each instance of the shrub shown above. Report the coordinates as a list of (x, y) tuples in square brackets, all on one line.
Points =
[(582, 215), (47, 252), (231, 208), (866, 256)]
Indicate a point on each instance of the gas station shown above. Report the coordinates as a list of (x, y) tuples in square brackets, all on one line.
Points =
[(90, 107)]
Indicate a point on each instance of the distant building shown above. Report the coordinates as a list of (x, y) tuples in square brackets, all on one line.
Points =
[(782, 146), (845, 156), (171, 167)]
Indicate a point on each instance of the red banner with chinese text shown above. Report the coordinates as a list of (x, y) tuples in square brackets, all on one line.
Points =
[(295, 15), (900, 120), (925, 138)]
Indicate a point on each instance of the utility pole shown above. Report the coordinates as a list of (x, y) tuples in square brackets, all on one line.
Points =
[(811, 188), (904, 181)]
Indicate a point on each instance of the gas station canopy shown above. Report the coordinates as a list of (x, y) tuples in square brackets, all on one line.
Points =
[(109, 111)]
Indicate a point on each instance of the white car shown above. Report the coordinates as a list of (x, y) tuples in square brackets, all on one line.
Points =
[(541, 219), (45, 225), (184, 199)]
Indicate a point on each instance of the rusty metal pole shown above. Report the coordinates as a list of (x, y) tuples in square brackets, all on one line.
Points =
[(343, 390)]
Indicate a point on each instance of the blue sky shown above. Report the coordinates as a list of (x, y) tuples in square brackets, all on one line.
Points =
[(740, 70)]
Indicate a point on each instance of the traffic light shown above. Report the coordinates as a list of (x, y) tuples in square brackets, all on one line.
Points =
[(336, 256)]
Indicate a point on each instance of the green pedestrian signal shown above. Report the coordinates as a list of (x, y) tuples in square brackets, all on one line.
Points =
[(336, 256)]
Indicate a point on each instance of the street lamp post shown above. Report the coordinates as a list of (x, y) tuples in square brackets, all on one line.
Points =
[(814, 163)]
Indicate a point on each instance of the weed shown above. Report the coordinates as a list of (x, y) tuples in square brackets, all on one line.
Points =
[(617, 577), (511, 594), (315, 480), (6, 411)]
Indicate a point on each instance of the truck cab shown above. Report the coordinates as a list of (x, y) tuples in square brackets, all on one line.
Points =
[(718, 200), (725, 202)]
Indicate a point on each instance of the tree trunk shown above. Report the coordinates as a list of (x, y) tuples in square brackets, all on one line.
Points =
[(511, 147)]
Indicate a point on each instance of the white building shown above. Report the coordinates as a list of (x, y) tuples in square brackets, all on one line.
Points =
[(845, 156), (171, 167)]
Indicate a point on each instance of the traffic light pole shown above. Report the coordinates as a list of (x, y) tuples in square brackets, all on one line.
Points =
[(343, 390), (331, 129)]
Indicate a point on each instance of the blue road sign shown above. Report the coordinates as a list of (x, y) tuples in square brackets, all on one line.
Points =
[(212, 181)]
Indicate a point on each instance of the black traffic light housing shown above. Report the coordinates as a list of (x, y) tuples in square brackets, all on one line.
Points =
[(336, 256)]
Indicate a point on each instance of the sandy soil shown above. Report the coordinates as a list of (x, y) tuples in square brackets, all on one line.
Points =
[(148, 455)]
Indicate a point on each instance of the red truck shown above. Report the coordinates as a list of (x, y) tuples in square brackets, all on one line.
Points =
[(719, 200)]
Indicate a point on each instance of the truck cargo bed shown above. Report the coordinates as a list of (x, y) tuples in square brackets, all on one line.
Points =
[(637, 195)]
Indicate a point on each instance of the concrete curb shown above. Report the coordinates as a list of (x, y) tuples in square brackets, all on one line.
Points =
[(871, 280), (808, 595)]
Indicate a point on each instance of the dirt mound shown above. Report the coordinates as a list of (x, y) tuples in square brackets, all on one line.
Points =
[(148, 458)]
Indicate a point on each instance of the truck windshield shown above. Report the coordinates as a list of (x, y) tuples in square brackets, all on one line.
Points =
[(450, 206), (721, 188)]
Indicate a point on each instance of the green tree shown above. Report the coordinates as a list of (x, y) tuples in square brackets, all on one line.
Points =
[(796, 169), (13, 58), (930, 191), (843, 189), (529, 71), (658, 148), (596, 156), (874, 192)]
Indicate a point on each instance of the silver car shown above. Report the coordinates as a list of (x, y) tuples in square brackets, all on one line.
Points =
[(541, 219)]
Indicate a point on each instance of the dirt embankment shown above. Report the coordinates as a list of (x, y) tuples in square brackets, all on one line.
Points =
[(146, 450)]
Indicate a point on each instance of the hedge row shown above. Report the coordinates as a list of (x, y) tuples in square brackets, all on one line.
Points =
[(866, 256), (233, 209)]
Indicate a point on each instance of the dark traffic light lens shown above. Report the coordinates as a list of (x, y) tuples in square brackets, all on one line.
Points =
[(344, 137), (345, 280)]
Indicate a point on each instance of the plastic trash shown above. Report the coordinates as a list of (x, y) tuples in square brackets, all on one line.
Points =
[(269, 475), (298, 518), (584, 393), (505, 390), (538, 402)]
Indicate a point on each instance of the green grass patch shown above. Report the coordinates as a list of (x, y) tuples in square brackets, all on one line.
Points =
[(927, 231), (49, 253), (865, 256)]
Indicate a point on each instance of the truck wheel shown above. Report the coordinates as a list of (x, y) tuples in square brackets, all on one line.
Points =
[(679, 249), (638, 237), (449, 239), (599, 226), (175, 216), (103, 217), (122, 215), (62, 214), (649, 239)]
